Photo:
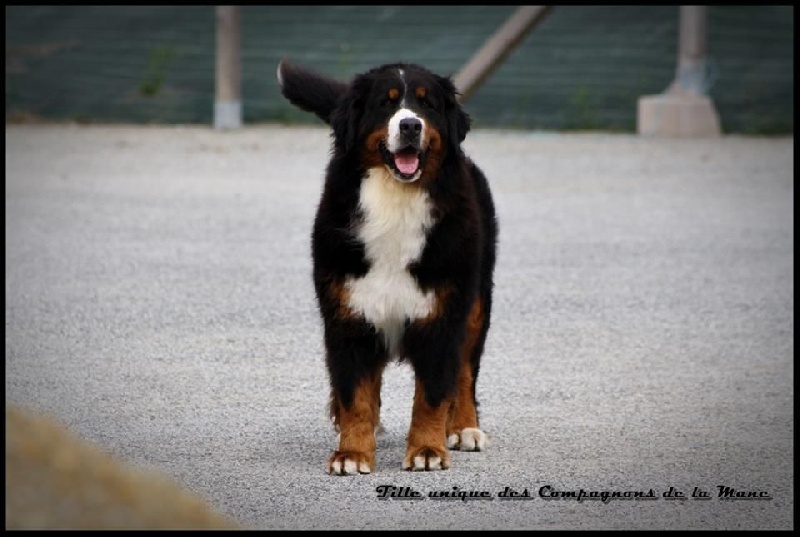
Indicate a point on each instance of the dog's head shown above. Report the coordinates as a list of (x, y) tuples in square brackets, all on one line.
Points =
[(401, 116)]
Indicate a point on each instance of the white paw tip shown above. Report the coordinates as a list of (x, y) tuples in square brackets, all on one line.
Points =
[(336, 467), (452, 441), (363, 468), (350, 467), (470, 439), (422, 463)]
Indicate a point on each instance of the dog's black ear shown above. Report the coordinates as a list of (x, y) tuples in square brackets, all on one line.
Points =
[(458, 121), (346, 118), (310, 91)]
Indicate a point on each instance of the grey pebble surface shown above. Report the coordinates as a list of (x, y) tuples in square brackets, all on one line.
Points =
[(159, 303)]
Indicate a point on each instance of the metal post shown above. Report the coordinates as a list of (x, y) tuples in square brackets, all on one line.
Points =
[(684, 110), (228, 103), (691, 70), (497, 48)]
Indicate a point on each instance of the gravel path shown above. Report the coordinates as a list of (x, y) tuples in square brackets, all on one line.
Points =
[(159, 302)]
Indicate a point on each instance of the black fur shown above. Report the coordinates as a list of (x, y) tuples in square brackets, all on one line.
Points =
[(308, 91)]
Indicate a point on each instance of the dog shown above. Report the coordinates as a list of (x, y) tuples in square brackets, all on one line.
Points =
[(403, 249)]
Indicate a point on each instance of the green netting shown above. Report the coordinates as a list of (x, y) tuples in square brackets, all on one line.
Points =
[(583, 67)]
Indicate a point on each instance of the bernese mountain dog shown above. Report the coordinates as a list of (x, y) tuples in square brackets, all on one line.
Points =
[(403, 249)]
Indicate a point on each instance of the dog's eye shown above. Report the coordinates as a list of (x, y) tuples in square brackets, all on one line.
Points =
[(426, 101), (388, 102)]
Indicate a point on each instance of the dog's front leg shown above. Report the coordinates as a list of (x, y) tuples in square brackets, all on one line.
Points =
[(425, 443), (432, 348), (355, 360), (357, 422)]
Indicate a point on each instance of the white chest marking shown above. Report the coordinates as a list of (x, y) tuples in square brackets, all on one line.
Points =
[(396, 220)]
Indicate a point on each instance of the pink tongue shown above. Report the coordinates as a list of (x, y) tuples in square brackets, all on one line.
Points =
[(406, 163)]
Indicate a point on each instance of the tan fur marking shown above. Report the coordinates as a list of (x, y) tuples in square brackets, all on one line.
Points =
[(435, 154), (357, 425), (441, 295), (426, 436), (341, 295), (463, 413), (372, 155)]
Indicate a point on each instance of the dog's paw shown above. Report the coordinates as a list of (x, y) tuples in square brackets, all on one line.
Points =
[(468, 439), (426, 458), (349, 463)]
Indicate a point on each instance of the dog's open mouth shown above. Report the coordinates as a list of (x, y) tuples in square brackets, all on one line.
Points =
[(406, 164)]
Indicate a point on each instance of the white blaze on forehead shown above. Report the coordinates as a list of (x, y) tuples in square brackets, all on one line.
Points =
[(405, 87), (395, 225), (393, 141)]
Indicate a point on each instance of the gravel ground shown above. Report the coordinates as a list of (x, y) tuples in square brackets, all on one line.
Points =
[(159, 303)]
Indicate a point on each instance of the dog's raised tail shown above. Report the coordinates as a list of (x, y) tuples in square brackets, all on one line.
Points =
[(309, 90)]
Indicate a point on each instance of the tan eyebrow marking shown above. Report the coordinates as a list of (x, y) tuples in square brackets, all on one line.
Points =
[(394, 93), (420, 93)]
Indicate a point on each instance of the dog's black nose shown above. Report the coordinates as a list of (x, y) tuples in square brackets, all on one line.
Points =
[(410, 127)]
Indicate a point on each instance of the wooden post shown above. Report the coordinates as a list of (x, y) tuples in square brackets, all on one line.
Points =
[(228, 103), (497, 48)]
